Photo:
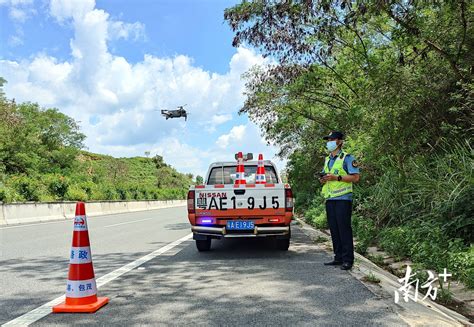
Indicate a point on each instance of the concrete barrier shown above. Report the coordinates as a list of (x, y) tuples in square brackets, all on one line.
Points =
[(20, 213), (2, 217)]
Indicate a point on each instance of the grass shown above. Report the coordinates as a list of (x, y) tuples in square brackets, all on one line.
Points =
[(371, 278), (377, 259), (445, 296), (320, 239)]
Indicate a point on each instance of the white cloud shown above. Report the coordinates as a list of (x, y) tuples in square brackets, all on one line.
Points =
[(121, 30), (19, 10), (65, 9), (15, 40), (196, 159), (235, 135), (118, 102), (220, 119)]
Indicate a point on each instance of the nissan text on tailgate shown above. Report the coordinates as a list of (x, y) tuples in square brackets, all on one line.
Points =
[(242, 199)]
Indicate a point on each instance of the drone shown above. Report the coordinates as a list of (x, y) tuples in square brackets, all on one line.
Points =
[(178, 113)]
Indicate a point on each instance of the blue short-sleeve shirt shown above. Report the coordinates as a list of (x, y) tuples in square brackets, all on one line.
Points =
[(349, 167)]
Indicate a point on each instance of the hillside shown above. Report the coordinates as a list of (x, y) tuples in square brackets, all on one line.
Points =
[(42, 159)]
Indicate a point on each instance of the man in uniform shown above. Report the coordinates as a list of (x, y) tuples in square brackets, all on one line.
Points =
[(339, 173)]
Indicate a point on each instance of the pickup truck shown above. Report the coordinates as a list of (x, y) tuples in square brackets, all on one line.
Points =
[(223, 209)]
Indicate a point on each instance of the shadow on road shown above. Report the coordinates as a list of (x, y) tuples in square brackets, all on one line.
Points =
[(179, 226), (45, 279), (239, 282)]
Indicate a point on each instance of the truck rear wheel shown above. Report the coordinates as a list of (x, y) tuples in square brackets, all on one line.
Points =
[(283, 244), (203, 245)]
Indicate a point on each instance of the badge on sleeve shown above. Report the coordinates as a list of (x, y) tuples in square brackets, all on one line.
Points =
[(355, 164)]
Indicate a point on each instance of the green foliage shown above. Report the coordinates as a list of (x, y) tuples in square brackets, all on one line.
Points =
[(371, 278), (199, 180), (28, 189), (396, 240), (377, 259), (320, 239), (429, 245), (397, 78), (445, 296), (41, 160), (316, 214), (317, 218), (462, 263), (75, 193), (57, 185), (9, 194), (364, 230)]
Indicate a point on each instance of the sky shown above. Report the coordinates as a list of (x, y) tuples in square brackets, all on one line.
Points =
[(113, 64)]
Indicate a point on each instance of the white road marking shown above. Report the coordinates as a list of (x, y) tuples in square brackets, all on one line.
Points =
[(128, 222), (70, 219), (44, 310), (36, 224)]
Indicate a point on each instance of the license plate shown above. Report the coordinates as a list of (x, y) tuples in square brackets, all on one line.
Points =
[(240, 225)]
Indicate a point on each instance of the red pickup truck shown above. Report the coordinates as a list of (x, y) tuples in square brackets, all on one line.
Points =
[(221, 208)]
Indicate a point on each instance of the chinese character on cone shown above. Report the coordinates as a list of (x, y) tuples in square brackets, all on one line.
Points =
[(81, 289)]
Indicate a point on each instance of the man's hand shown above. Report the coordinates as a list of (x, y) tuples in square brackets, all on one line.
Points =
[(328, 177)]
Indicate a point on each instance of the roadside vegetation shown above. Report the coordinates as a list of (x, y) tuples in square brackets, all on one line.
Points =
[(397, 78), (41, 159)]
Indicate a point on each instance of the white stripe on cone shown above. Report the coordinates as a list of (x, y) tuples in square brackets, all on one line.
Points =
[(81, 288), (80, 255)]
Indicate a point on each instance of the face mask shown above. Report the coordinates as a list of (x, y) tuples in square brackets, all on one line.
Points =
[(331, 145)]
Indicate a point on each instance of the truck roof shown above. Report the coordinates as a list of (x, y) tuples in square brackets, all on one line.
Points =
[(246, 163), (234, 163)]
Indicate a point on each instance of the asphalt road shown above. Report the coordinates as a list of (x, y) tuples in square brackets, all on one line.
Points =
[(240, 282)]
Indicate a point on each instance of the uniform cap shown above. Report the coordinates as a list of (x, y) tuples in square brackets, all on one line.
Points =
[(334, 135)]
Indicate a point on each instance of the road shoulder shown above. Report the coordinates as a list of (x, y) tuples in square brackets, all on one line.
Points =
[(421, 313)]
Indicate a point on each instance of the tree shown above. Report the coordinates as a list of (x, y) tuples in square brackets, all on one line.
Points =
[(158, 160), (334, 56), (199, 180), (396, 76), (36, 139)]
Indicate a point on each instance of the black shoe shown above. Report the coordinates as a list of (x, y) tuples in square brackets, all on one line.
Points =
[(346, 266), (333, 263)]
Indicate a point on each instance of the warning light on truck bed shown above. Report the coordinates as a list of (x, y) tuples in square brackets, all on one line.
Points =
[(246, 157)]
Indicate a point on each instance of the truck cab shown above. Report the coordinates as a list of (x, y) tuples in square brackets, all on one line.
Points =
[(223, 209)]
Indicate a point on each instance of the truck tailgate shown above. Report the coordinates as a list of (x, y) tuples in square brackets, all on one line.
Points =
[(247, 201)]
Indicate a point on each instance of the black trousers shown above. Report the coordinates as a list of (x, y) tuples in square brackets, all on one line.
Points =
[(339, 219)]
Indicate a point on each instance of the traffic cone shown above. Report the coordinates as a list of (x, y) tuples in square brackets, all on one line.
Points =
[(81, 289), (260, 178), (240, 173)]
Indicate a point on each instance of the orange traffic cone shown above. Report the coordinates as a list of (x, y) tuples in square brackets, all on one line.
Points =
[(240, 174), (260, 178), (81, 289)]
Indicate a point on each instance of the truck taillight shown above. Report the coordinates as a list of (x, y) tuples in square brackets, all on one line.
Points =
[(288, 199), (191, 196)]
